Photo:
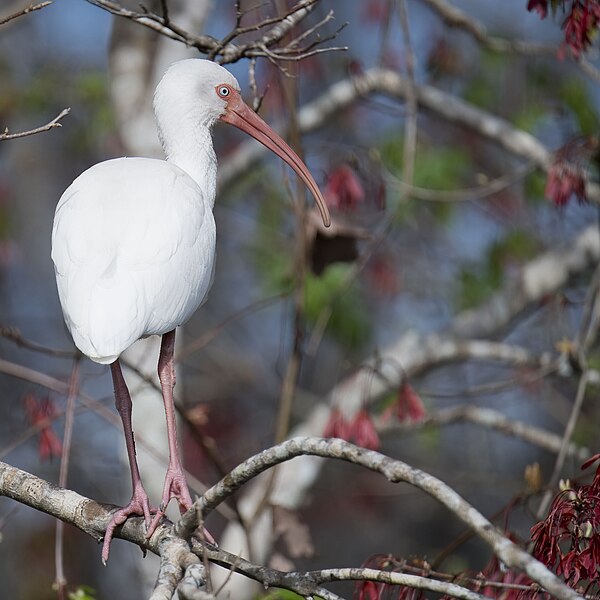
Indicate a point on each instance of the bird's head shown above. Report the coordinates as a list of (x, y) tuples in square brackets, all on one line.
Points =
[(216, 96)]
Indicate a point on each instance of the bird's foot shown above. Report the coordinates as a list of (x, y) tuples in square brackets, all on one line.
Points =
[(176, 487), (138, 506)]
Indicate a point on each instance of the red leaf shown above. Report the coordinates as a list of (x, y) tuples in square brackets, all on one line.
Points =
[(409, 405), (590, 461), (337, 426), (368, 590), (541, 6), (344, 191), (363, 432), (41, 413)]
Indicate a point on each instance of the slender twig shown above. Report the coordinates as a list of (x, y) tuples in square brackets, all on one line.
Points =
[(410, 126), (51, 125), (225, 49), (455, 17), (585, 337), (165, 12), (206, 337), (61, 580), (566, 439), (25, 11), (14, 334), (490, 419), (471, 194)]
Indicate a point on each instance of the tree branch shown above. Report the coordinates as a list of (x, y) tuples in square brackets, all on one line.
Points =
[(226, 50), (92, 518), (24, 11), (395, 471), (51, 125)]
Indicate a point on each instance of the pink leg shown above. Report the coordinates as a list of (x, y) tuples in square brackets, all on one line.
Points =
[(175, 483), (139, 504)]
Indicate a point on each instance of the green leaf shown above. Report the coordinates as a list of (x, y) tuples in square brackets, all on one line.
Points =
[(441, 168), (478, 281), (528, 117), (274, 261), (575, 94), (535, 185), (436, 168), (83, 592), (348, 322)]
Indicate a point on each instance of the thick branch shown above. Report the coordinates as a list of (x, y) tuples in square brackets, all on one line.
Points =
[(180, 569), (395, 471)]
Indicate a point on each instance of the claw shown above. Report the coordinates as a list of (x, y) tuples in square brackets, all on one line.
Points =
[(138, 506)]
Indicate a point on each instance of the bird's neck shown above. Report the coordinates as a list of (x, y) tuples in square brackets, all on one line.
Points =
[(192, 150)]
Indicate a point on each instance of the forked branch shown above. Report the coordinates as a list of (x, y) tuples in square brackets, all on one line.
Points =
[(92, 518)]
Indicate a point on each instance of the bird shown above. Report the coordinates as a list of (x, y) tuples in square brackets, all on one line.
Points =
[(133, 247)]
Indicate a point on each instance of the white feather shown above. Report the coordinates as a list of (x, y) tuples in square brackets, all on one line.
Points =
[(133, 246), (133, 241)]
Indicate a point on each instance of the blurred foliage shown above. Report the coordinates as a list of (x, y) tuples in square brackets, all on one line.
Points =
[(484, 86), (478, 281), (528, 117), (576, 96), (87, 93), (273, 257), (586, 430), (92, 94), (436, 168), (349, 321), (83, 592), (284, 595), (535, 185)]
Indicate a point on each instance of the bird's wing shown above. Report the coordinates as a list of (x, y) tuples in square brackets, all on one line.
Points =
[(133, 245)]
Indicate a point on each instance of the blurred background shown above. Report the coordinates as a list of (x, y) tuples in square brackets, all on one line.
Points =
[(397, 261)]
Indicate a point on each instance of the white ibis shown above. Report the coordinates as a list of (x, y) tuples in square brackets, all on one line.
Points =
[(133, 246)]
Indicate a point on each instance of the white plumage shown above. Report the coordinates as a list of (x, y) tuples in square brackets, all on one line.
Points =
[(133, 246)]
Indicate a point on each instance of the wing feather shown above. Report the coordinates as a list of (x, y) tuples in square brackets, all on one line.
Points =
[(133, 247)]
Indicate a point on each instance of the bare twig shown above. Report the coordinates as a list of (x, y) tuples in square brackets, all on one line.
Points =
[(15, 335), (51, 125), (225, 50), (24, 11), (305, 583), (410, 126), (61, 580), (492, 419), (566, 439), (455, 17)]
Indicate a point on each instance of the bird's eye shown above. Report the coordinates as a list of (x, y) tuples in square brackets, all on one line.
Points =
[(223, 91)]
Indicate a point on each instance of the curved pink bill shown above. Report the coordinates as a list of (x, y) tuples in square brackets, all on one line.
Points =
[(239, 114)]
